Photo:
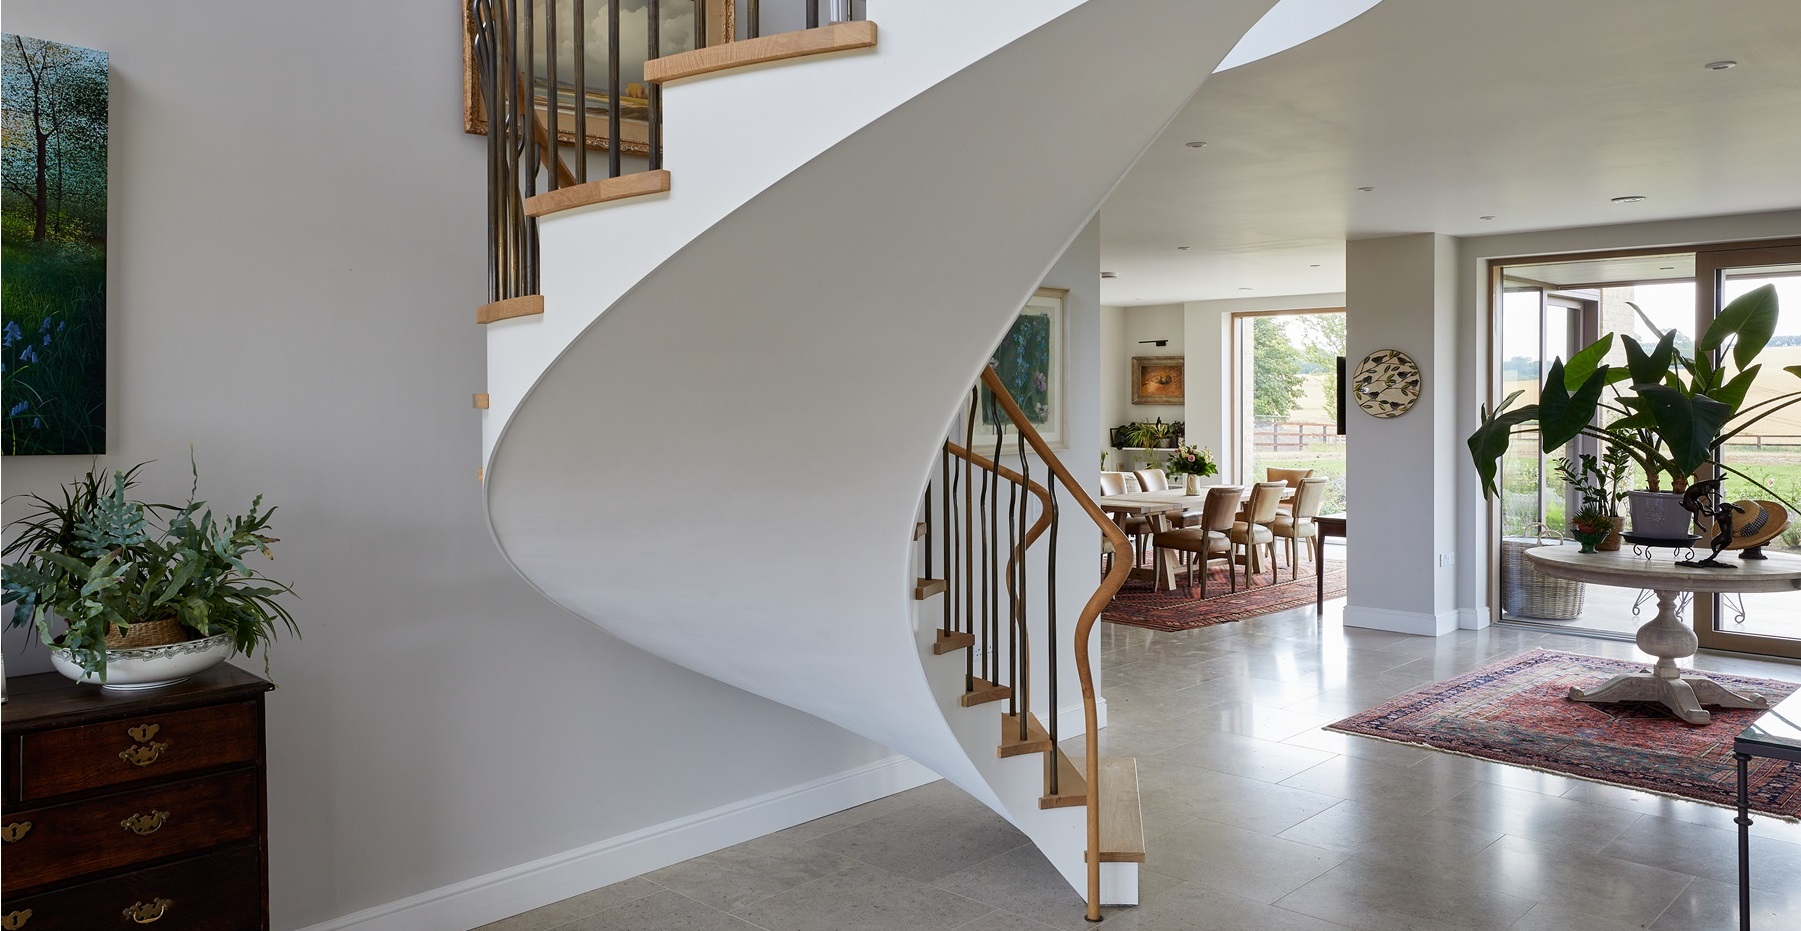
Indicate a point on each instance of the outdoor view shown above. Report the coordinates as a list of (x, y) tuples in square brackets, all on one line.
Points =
[(1291, 421)]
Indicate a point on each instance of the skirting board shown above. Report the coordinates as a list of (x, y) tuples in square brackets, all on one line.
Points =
[(1070, 722), (1472, 618), (1400, 622), (501, 894)]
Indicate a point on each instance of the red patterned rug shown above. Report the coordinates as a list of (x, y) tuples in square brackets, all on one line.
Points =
[(1137, 605), (1515, 712)]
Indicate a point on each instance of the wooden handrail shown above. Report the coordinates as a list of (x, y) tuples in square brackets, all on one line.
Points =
[(1091, 613)]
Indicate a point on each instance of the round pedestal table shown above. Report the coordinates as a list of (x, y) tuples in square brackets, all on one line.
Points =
[(1665, 636)]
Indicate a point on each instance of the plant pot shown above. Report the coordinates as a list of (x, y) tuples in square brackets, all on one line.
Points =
[(149, 667), (1659, 514), (1612, 543), (1589, 538)]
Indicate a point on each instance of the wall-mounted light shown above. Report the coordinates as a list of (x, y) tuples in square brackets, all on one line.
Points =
[(1153, 342)]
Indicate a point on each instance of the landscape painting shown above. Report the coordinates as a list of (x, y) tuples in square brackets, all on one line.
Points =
[(1029, 361), (53, 236)]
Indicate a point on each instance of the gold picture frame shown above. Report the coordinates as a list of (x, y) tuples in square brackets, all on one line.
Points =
[(1158, 380)]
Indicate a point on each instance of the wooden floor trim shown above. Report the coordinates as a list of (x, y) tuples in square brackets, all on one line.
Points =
[(1122, 820), (606, 190), (1037, 740), (1072, 789), (523, 306), (982, 692), (837, 37), (952, 642)]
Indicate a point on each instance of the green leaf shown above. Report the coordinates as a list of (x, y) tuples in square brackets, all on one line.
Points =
[(1651, 367), (1562, 413), (1584, 363), (1751, 317), (1489, 443), (1689, 426), (1732, 394)]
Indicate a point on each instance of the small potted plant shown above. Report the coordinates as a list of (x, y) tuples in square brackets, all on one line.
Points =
[(1600, 483), (1193, 463), (130, 594), (1591, 525)]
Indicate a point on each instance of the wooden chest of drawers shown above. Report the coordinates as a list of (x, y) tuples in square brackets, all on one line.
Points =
[(130, 808)]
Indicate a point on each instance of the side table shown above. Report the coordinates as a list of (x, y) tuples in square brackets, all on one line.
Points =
[(1775, 736)]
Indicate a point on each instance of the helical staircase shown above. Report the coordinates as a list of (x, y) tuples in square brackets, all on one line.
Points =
[(716, 433)]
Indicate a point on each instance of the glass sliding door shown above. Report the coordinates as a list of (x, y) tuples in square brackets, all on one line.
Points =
[(1768, 453)]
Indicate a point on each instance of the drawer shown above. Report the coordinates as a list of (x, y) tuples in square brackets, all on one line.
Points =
[(77, 758), (59, 842), (218, 892)]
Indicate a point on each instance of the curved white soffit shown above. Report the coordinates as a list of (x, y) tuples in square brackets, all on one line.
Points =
[(1288, 24)]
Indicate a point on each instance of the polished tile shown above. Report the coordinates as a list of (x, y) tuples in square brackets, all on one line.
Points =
[(1249, 757), (1023, 882), (1376, 833), (1591, 884), (863, 898), (1232, 860), (1557, 822), (1264, 807), (1554, 918), (1706, 905), (1188, 907), (557, 914), (1683, 847), (1377, 897), (737, 876), (665, 911), (926, 842), (1409, 789)]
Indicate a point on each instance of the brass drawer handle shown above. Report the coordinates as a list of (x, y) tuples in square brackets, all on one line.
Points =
[(15, 832), (15, 920), (143, 754), (144, 733), (145, 825), (146, 912)]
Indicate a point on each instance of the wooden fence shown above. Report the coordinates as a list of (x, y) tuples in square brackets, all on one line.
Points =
[(1289, 434)]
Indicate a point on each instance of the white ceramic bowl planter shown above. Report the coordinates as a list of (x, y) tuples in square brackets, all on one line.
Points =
[(149, 667)]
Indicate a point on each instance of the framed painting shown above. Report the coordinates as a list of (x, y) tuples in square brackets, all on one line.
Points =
[(676, 34), (53, 295), (1030, 362), (1157, 380)]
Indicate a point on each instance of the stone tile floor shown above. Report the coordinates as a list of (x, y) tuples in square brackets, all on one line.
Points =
[(1256, 818)]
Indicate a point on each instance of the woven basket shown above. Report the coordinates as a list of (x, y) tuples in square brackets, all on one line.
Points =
[(147, 634), (1526, 592)]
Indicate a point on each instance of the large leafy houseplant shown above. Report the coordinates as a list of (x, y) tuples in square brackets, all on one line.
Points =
[(98, 561), (1669, 413)]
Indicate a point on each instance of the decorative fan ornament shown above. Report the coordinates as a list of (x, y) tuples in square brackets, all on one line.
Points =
[(1386, 383)]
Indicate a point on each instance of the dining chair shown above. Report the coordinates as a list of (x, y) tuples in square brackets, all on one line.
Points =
[(1252, 530), (1299, 525), (1210, 540), (1135, 526), (1292, 478), (1152, 480)]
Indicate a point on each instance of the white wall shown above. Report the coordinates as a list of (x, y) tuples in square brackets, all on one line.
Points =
[(1208, 325), (296, 255)]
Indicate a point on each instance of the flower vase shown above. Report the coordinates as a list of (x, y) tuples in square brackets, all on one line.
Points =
[(1588, 538), (1191, 484)]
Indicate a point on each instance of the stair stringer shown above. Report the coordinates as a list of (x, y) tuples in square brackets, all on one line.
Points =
[(812, 343)]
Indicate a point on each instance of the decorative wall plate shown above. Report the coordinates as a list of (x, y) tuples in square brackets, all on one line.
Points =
[(1386, 383)]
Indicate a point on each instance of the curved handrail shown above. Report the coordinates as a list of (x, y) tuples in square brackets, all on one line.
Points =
[(1091, 613)]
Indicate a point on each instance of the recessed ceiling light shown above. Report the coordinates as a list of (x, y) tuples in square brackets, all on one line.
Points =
[(1487, 217), (1109, 274), (1720, 65), (1313, 266), (1366, 189), (1244, 289), (1183, 248), (1667, 268), (1629, 199), (1197, 144)]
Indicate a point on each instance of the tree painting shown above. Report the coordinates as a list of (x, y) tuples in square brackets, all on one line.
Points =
[(53, 236), (1029, 361)]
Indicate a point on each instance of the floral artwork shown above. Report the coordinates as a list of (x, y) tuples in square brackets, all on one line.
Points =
[(1029, 361), (53, 234)]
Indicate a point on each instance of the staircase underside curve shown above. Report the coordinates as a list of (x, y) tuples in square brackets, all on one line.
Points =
[(724, 468)]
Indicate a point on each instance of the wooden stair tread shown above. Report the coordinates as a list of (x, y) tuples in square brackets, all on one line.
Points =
[(523, 306), (920, 528), (952, 642), (982, 692), (1122, 820), (926, 588), (636, 184), (836, 37), (1037, 739), (1072, 789)]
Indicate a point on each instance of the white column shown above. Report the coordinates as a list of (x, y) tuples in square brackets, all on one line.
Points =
[(1401, 472)]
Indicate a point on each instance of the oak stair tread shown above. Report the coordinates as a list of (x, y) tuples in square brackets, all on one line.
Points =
[(801, 43), (1037, 739), (606, 190), (525, 305), (981, 692), (952, 642), (920, 528), (1122, 820), (1072, 789), (926, 588)]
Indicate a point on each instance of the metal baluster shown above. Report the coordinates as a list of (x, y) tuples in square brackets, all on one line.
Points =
[(579, 77), (483, 50), (950, 532), (812, 14), (755, 28), (969, 567), (553, 118), (615, 145), (654, 132), (1022, 693), (983, 507), (516, 245), (1050, 642)]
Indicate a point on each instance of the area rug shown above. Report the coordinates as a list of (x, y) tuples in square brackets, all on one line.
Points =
[(1515, 711), (1137, 605)]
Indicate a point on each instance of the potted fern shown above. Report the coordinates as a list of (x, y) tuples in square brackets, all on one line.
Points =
[(130, 594)]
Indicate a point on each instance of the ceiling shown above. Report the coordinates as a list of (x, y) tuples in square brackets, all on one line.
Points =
[(1533, 112)]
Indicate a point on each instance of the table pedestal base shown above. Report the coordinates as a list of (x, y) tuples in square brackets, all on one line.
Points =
[(1683, 695), (1665, 637)]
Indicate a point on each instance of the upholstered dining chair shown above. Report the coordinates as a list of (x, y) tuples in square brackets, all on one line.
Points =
[(1135, 526), (1292, 478), (1252, 529), (1208, 541), (1152, 480), (1299, 525)]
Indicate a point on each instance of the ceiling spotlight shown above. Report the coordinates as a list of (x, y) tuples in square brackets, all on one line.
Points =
[(1159, 343), (1313, 266), (1366, 189), (1720, 65), (1197, 144), (1246, 289), (1109, 274), (1183, 248), (1629, 199), (1667, 268), (1488, 217)]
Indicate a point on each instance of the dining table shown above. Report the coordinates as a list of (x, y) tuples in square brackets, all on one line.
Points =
[(1163, 509)]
